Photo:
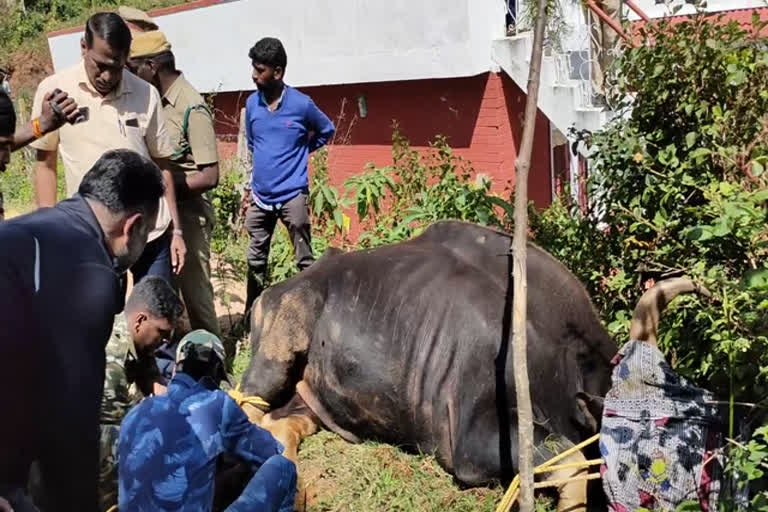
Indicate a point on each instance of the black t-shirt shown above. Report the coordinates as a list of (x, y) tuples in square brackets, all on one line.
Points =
[(59, 293)]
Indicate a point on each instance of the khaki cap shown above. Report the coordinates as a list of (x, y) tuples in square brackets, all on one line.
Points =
[(149, 44), (136, 19)]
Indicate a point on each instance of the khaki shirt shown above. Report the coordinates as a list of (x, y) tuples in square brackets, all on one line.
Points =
[(200, 136), (130, 117)]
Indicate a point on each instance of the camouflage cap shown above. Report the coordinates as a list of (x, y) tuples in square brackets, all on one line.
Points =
[(200, 345)]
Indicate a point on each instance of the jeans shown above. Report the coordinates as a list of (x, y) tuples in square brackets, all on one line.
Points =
[(260, 224), (165, 358), (272, 488), (155, 260)]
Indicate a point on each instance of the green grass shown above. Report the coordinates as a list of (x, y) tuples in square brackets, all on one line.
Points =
[(16, 184), (372, 477)]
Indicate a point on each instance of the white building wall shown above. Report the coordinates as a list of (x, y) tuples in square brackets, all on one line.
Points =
[(327, 41)]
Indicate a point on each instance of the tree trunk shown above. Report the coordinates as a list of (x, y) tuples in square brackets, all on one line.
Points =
[(519, 244)]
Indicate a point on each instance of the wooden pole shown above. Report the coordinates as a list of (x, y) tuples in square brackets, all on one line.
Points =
[(519, 245)]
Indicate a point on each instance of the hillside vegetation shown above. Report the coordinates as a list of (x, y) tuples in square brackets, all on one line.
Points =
[(23, 29)]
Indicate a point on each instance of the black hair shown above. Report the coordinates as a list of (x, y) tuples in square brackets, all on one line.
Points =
[(156, 296), (165, 61), (125, 182), (7, 115), (270, 52), (110, 27), (200, 369)]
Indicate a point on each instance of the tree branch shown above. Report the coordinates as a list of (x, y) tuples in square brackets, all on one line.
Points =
[(519, 245)]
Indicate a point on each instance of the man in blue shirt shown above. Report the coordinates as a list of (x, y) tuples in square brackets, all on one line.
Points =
[(169, 445), (283, 126)]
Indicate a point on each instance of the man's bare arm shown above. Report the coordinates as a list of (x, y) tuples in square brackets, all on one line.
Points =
[(45, 178), (49, 120), (195, 183)]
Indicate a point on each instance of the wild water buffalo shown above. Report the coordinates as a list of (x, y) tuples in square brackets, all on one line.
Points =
[(410, 344)]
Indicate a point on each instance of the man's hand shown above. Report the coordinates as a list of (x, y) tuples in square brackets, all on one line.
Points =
[(54, 101), (245, 202), (157, 390), (178, 252)]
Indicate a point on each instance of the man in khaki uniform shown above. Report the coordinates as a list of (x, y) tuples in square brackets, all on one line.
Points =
[(194, 165), (136, 19)]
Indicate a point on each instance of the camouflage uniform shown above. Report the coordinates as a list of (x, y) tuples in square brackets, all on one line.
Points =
[(127, 379)]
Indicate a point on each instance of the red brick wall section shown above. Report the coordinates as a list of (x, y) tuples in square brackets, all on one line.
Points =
[(480, 115)]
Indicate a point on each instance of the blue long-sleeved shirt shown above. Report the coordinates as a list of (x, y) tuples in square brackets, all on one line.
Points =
[(169, 445), (281, 142)]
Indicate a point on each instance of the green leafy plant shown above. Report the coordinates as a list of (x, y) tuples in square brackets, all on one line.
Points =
[(27, 25), (750, 462), (678, 187), (398, 201)]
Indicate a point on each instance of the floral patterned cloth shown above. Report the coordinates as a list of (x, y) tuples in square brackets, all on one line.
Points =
[(659, 436)]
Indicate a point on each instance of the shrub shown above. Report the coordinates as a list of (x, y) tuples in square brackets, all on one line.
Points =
[(678, 187)]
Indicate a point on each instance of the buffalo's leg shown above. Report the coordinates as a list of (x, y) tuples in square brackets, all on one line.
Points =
[(572, 496), (290, 431), (289, 425)]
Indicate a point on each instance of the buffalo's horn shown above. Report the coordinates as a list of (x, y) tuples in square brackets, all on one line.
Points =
[(645, 321)]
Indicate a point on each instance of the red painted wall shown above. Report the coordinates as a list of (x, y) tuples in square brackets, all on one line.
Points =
[(480, 115)]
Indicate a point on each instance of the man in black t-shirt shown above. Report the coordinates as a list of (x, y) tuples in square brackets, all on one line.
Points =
[(60, 271)]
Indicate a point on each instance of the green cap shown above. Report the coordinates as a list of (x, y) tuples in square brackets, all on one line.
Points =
[(200, 345)]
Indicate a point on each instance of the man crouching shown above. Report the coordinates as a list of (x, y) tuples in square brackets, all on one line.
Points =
[(170, 444), (150, 315)]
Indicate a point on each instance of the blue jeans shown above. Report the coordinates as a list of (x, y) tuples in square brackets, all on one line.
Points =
[(165, 358), (155, 260), (272, 488)]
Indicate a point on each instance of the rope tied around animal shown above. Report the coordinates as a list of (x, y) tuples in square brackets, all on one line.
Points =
[(241, 399), (513, 491)]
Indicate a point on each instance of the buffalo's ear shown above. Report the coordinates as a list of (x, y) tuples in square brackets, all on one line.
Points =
[(590, 410)]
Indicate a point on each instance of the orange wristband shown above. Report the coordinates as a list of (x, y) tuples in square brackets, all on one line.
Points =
[(36, 127)]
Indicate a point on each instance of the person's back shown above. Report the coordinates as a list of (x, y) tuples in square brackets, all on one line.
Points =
[(169, 446), (41, 276), (59, 276)]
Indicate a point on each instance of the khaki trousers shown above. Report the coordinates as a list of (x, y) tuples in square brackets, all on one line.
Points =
[(197, 218)]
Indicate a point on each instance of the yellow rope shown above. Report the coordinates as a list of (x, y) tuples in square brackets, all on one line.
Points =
[(558, 483), (570, 465), (513, 492), (241, 399), (113, 508)]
